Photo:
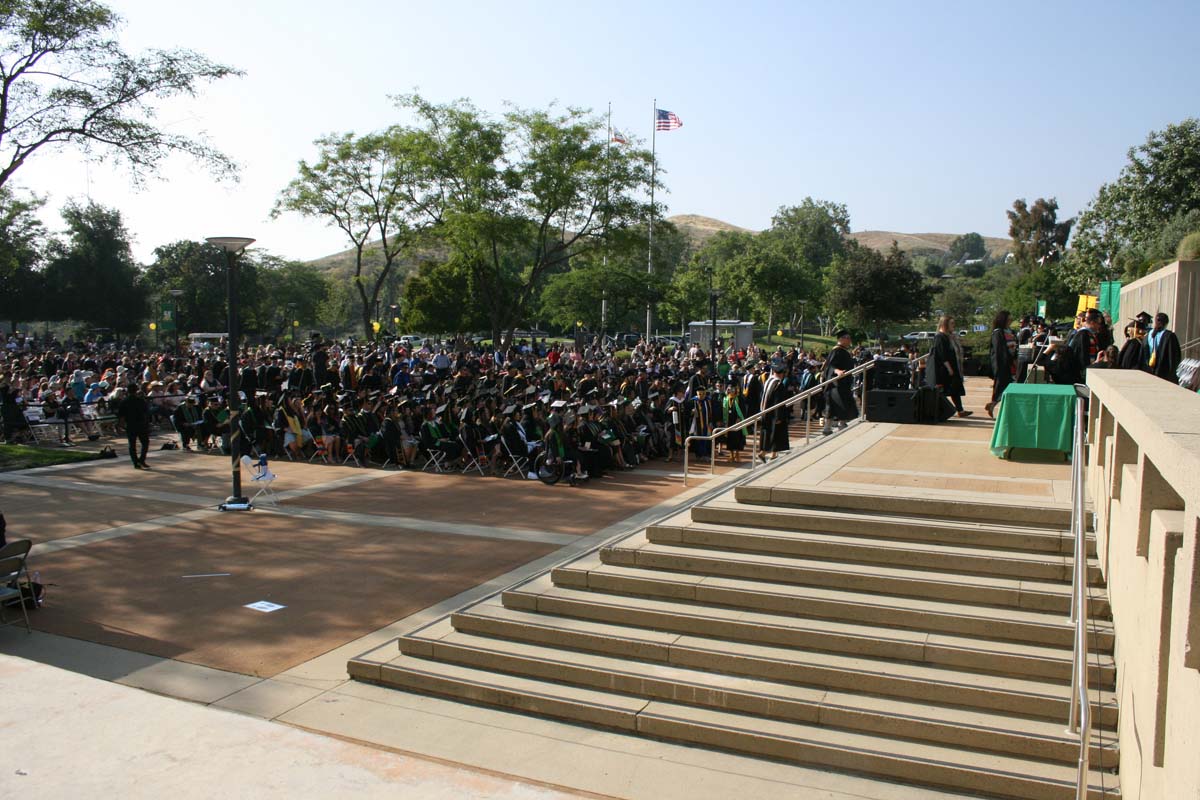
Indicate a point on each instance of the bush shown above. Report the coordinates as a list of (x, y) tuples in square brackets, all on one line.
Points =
[(1189, 248)]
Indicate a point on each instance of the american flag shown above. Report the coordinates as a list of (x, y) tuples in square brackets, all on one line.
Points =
[(666, 120)]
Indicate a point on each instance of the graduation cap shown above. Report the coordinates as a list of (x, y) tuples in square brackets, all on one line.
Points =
[(530, 390), (526, 407), (559, 404), (440, 409), (593, 392), (652, 395), (509, 409), (585, 409)]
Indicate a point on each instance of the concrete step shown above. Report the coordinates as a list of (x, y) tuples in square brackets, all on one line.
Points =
[(879, 578), (1024, 538), (868, 549), (648, 629), (1058, 517), (933, 616), (807, 742), (968, 727)]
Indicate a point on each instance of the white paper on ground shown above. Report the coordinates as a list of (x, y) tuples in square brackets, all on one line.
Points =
[(264, 606)]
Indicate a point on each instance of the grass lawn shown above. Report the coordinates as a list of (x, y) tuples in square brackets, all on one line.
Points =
[(20, 456), (811, 340)]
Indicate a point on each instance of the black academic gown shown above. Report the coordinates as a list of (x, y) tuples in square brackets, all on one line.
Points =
[(773, 428)]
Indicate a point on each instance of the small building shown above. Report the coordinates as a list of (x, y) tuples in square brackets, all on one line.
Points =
[(729, 331)]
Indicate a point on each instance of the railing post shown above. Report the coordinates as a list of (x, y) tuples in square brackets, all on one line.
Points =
[(807, 418), (1080, 718), (685, 460)]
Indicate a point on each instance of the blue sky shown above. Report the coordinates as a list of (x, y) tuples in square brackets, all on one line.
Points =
[(919, 116)]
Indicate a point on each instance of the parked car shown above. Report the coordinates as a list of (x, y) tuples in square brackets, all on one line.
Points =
[(919, 336)]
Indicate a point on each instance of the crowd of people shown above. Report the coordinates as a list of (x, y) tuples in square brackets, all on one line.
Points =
[(457, 403), (1066, 356)]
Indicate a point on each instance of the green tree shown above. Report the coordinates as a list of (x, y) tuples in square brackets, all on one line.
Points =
[(22, 240), (959, 301), (288, 291), (438, 298), (967, 247), (1037, 235), (379, 190), (871, 289), (525, 194), (198, 269), (92, 275), (65, 81)]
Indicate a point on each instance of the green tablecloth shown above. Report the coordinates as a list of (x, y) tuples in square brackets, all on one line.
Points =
[(1037, 416)]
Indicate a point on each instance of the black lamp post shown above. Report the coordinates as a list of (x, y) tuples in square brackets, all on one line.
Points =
[(175, 295), (713, 294), (233, 245)]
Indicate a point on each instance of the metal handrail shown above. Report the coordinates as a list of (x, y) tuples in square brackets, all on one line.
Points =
[(805, 395), (1080, 721)]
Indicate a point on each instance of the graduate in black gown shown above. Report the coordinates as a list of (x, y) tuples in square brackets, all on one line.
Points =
[(773, 428), (839, 396)]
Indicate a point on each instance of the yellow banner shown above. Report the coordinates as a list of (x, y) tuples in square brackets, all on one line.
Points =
[(1087, 301)]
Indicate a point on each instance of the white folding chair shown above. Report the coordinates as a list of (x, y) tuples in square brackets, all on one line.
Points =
[(519, 464), (470, 457), (434, 459), (261, 479), (12, 565)]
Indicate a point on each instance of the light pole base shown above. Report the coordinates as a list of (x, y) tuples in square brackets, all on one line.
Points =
[(236, 504)]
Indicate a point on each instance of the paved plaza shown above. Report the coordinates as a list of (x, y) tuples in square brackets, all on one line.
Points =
[(357, 558)]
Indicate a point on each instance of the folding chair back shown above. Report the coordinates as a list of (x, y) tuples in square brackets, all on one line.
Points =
[(518, 463), (469, 455), (12, 566), (433, 459), (261, 479)]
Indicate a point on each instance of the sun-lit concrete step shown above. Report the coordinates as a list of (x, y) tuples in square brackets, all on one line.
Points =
[(934, 616), (1057, 517), (969, 727), (640, 551), (684, 683), (1044, 595), (990, 774), (946, 685), (808, 742), (1024, 538), (647, 629)]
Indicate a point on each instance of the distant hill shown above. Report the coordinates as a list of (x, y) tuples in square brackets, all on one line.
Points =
[(699, 229)]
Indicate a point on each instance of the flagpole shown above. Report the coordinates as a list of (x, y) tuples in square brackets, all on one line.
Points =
[(607, 182), (650, 238)]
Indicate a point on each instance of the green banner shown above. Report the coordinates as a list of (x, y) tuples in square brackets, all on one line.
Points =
[(166, 316), (1041, 308), (1110, 299)]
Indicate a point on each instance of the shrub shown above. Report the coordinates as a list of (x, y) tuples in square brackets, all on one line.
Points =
[(1189, 247)]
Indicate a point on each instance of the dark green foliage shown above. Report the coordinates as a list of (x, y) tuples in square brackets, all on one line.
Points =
[(92, 276), (872, 290)]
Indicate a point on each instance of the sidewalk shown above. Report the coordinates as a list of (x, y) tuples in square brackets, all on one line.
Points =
[(74, 736)]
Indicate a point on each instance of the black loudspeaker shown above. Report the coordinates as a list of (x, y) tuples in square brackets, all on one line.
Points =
[(891, 373), (891, 405)]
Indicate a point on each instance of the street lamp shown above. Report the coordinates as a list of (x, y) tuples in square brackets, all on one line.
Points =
[(175, 295), (802, 302), (713, 294), (233, 245), (291, 320)]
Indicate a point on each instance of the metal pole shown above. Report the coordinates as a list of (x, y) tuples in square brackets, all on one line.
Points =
[(650, 237), (807, 418), (235, 402)]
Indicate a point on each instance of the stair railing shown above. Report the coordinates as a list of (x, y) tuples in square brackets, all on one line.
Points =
[(805, 396), (1080, 721)]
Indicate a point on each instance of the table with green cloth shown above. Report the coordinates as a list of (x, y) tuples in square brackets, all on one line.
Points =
[(1035, 416)]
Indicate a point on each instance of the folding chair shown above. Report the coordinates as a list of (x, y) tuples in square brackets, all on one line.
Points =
[(433, 458), (261, 478), (519, 464), (469, 455), (319, 450), (41, 431), (12, 563)]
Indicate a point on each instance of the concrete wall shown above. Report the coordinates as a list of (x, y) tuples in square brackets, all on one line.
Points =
[(1174, 289), (1143, 476)]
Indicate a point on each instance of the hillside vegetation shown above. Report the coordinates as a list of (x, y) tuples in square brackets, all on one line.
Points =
[(699, 229)]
